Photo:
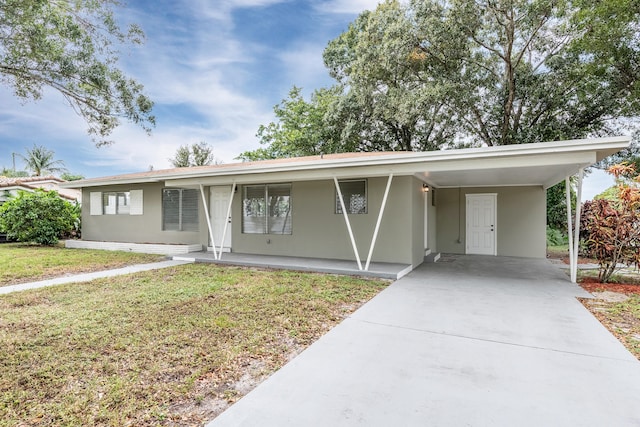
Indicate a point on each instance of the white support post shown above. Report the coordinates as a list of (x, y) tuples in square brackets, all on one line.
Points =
[(206, 212), (576, 235), (375, 231), (226, 222), (567, 186), (346, 220)]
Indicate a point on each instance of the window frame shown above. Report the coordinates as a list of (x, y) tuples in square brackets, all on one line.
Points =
[(118, 209), (263, 207), (338, 207), (182, 225)]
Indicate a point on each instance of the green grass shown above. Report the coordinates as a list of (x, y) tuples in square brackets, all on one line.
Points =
[(160, 346), (23, 263), (558, 251)]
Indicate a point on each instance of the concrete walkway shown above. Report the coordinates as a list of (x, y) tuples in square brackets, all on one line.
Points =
[(85, 277), (473, 341)]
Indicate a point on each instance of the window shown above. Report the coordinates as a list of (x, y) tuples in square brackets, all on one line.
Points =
[(266, 209), (116, 203), (180, 209), (354, 194)]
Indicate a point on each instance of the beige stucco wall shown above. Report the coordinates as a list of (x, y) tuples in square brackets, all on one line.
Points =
[(146, 228), (521, 220), (319, 232)]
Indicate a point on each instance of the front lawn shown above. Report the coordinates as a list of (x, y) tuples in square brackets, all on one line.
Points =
[(24, 263), (165, 347)]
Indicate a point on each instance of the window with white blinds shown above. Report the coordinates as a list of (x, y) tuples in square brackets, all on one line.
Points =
[(266, 209), (116, 203), (354, 194), (180, 209)]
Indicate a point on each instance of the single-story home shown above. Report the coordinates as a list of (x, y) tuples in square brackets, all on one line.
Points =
[(385, 207), (10, 187)]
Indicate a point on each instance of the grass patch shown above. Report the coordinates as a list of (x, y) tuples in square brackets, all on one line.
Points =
[(168, 346), (558, 251), (621, 318), (24, 263)]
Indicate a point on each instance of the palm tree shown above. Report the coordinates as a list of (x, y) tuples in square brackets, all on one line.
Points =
[(39, 160)]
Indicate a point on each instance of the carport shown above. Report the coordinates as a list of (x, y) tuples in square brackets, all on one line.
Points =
[(471, 340)]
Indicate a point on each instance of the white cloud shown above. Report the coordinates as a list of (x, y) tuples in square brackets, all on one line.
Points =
[(304, 65), (595, 183), (354, 7)]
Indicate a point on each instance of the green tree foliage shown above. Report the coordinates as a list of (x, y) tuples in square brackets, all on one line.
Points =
[(41, 161), (557, 207), (200, 154), (429, 74), (70, 46), (67, 176), (10, 173), (304, 128), (41, 217), (611, 228)]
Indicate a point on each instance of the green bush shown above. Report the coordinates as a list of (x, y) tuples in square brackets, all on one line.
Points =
[(39, 217), (556, 237)]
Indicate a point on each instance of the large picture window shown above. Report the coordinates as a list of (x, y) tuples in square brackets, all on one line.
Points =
[(354, 194), (180, 209), (116, 203), (266, 209)]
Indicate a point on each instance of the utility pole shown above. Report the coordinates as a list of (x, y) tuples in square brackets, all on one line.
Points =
[(13, 156)]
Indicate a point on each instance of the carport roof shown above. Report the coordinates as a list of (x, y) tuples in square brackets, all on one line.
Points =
[(544, 164)]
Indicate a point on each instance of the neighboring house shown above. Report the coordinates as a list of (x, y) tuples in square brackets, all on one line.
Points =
[(10, 187), (399, 205)]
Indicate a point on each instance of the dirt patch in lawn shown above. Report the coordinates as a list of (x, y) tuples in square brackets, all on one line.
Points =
[(617, 307)]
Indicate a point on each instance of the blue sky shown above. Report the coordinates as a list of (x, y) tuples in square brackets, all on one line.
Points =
[(214, 69)]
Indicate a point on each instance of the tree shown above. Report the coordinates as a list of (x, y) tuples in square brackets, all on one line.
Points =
[(304, 128), (70, 46), (40, 216), (611, 227), (67, 176), (40, 160), (200, 154), (10, 173), (429, 74)]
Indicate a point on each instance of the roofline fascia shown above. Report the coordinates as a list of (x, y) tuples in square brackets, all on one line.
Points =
[(577, 145)]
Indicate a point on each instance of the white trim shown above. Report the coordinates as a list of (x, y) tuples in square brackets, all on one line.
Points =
[(206, 213), (136, 202), (346, 220), (375, 231), (226, 221), (95, 203), (538, 154), (145, 248)]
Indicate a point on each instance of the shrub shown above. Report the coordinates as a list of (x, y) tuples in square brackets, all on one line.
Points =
[(611, 228), (40, 217), (556, 237)]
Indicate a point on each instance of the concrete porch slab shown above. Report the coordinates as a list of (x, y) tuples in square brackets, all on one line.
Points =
[(330, 266)]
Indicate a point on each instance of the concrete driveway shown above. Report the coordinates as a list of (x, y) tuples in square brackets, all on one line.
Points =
[(468, 341)]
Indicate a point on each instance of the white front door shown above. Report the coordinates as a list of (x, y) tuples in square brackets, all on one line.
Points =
[(219, 201), (481, 224)]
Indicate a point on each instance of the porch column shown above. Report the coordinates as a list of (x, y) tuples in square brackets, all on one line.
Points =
[(574, 241), (206, 212), (226, 221), (375, 231), (346, 220)]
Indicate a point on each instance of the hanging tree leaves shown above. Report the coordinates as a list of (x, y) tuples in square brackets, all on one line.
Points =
[(70, 46)]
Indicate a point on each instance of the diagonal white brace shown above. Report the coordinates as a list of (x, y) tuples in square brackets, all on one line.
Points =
[(226, 222), (567, 188), (206, 213), (576, 236), (346, 220), (375, 231)]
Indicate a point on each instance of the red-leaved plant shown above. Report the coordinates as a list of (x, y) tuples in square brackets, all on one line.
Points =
[(611, 228)]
